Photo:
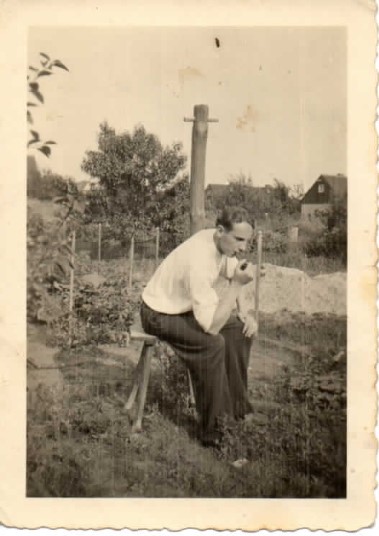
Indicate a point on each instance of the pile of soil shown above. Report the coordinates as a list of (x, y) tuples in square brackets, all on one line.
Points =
[(293, 290)]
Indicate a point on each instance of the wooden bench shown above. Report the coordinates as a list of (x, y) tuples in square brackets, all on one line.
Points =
[(142, 375)]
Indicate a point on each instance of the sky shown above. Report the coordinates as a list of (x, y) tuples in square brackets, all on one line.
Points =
[(279, 94)]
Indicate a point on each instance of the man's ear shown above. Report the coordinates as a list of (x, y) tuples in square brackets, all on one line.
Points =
[(220, 229)]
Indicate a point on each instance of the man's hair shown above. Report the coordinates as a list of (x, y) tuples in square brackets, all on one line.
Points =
[(230, 215)]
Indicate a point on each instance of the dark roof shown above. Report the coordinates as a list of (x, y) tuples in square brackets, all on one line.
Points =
[(338, 184), (216, 189)]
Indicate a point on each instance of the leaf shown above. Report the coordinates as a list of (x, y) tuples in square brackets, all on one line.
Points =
[(31, 142), (45, 60), (35, 135), (58, 63), (38, 95), (29, 117), (45, 149), (50, 142), (61, 268), (34, 86), (33, 68), (31, 104), (44, 73)]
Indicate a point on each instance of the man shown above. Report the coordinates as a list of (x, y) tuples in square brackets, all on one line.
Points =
[(181, 306)]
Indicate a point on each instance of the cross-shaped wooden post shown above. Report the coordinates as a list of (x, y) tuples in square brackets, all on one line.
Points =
[(199, 146)]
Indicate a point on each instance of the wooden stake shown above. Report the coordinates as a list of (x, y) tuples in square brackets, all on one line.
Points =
[(131, 261), (199, 145), (258, 275), (157, 237), (99, 245), (71, 296)]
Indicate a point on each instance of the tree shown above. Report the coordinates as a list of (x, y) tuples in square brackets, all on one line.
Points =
[(46, 68), (48, 185), (173, 214), (132, 170)]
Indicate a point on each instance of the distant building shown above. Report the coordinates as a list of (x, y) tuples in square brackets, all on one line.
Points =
[(218, 192), (323, 194)]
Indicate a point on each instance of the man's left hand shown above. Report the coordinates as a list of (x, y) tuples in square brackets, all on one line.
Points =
[(250, 327)]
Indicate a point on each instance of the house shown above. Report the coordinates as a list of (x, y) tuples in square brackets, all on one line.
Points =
[(216, 191), (323, 195)]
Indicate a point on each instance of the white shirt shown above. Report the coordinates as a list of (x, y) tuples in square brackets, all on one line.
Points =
[(185, 279)]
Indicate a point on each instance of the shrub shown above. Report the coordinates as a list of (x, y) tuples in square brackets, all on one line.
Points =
[(48, 254), (274, 242), (330, 240)]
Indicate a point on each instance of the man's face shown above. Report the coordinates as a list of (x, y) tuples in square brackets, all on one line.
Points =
[(235, 241)]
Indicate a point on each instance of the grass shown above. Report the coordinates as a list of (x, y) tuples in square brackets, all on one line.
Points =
[(80, 442)]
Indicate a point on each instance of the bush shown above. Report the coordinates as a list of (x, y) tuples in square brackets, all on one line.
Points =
[(274, 242), (48, 255), (330, 240)]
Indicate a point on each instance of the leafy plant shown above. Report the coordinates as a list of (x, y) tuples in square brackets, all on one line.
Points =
[(331, 239), (46, 68)]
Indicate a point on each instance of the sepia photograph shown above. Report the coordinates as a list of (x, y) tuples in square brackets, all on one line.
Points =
[(187, 260), (188, 273)]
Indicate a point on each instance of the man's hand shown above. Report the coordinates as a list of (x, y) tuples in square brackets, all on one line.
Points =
[(250, 327), (244, 273)]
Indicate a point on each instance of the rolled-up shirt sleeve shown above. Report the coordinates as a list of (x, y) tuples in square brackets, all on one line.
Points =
[(204, 298)]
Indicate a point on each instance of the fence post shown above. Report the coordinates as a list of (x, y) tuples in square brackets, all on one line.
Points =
[(293, 234), (157, 237), (258, 276), (131, 261), (71, 298), (99, 245)]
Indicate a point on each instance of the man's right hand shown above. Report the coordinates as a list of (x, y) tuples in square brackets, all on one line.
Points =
[(243, 274)]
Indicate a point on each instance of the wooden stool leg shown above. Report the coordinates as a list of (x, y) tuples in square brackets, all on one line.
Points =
[(146, 357), (137, 380), (191, 390)]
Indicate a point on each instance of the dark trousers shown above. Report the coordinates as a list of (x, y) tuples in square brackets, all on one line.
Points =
[(217, 363)]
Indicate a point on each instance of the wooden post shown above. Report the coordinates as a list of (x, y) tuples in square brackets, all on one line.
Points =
[(157, 237), (293, 234), (71, 296), (258, 275), (131, 261), (197, 206), (99, 244), (199, 145)]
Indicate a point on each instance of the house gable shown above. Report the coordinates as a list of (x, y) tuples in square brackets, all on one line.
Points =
[(320, 193), (326, 190)]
